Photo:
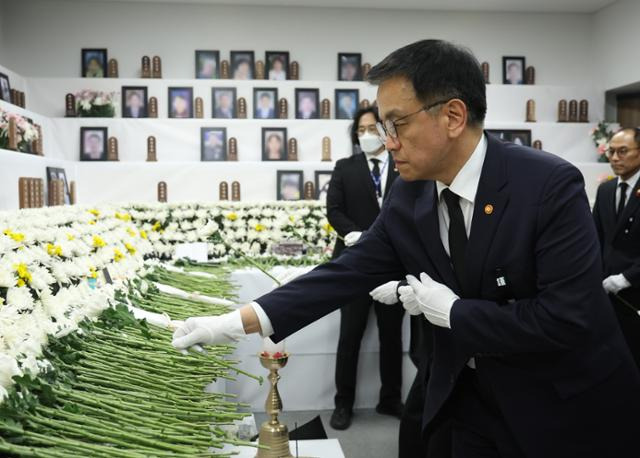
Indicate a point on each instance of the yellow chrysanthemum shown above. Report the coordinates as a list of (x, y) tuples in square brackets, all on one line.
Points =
[(92, 222), (143, 234), (328, 228), (94, 212), (123, 216), (54, 250), (260, 227), (71, 237), (98, 242), (117, 255), (232, 216), (130, 248), (16, 236), (92, 272), (24, 276), (156, 226), (131, 232)]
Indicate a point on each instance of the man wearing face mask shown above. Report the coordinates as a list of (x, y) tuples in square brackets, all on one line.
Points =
[(358, 186)]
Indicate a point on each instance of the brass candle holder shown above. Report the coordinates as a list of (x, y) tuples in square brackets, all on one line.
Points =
[(274, 434)]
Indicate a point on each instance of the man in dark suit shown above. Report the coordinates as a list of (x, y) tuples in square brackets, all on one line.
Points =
[(617, 217), (528, 360), (358, 186)]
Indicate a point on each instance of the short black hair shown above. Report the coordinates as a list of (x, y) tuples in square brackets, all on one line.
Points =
[(438, 70), (353, 131), (632, 130)]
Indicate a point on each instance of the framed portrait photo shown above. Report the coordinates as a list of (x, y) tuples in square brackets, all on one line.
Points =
[(213, 144), (322, 180), (289, 184), (180, 102), (307, 103), (277, 65), (346, 103), (349, 66), (513, 69), (134, 102), (94, 63), (5, 88), (207, 64), (265, 101), (242, 65), (519, 137), (55, 173), (93, 143), (274, 143), (223, 102)]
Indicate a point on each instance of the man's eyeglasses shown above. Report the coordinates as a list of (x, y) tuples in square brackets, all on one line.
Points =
[(622, 152), (389, 128)]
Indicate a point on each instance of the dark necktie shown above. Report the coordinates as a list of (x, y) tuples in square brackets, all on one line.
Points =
[(457, 234), (375, 174), (623, 198)]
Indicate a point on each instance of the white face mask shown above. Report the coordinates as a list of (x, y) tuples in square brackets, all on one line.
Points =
[(369, 143)]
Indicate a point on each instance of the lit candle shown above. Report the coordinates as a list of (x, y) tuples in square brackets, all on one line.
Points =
[(271, 348)]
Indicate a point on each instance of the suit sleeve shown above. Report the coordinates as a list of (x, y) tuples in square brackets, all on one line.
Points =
[(632, 274), (369, 263), (597, 220), (564, 312), (336, 204)]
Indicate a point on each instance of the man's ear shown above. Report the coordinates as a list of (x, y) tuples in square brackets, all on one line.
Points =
[(457, 115)]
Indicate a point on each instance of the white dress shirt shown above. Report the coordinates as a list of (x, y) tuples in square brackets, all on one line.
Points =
[(632, 184), (465, 184)]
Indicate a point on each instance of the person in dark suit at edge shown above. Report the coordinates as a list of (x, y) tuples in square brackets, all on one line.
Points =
[(617, 217), (504, 262), (357, 190)]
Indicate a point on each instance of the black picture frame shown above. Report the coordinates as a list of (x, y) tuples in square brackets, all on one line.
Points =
[(509, 77), (99, 70), (269, 154), (57, 173), (349, 66), (342, 112), (5, 88), (272, 110), (185, 93), (213, 152), (322, 180), (239, 57), (203, 57), (283, 177), (269, 58), (102, 136), (127, 110), (217, 110), (303, 94), (518, 136)]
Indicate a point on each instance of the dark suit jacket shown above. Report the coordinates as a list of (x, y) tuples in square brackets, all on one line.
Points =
[(351, 199), (620, 240), (548, 342)]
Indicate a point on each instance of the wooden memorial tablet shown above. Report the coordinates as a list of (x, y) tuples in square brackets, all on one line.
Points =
[(530, 75), (583, 115), (233, 150), (72, 193), (112, 149), (38, 142), (325, 109), (14, 98), (199, 107), (531, 110), (112, 68), (485, 71), (309, 191), (224, 69), (21, 99), (23, 192), (153, 107), (259, 70), (156, 67), (39, 199), (56, 192), (292, 152), (162, 192), (563, 115), (294, 70), (242, 108), (283, 108), (70, 106), (146, 67), (223, 190), (235, 191), (573, 110), (326, 149), (13, 135), (151, 149)]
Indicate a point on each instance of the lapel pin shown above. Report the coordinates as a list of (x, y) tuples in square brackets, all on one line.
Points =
[(488, 209)]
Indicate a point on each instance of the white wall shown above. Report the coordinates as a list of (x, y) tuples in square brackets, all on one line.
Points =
[(615, 38), (558, 45)]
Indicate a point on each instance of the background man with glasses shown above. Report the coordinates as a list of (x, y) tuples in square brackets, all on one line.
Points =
[(617, 217), (504, 262)]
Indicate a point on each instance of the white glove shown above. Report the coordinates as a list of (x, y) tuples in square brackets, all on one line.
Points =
[(386, 294), (615, 283), (409, 300), (352, 237), (435, 299), (209, 330)]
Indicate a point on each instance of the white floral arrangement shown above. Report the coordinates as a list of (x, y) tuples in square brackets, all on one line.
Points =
[(27, 132), (91, 103)]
